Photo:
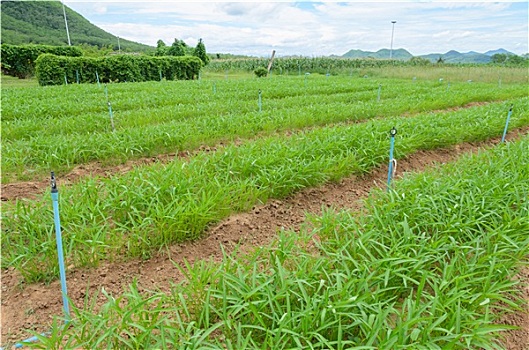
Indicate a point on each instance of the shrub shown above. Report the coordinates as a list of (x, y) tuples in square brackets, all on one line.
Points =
[(19, 60), (261, 72), (52, 70)]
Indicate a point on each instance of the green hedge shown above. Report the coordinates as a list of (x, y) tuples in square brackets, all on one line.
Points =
[(19, 60), (52, 69)]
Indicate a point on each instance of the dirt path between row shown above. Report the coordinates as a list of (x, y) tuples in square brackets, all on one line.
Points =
[(32, 306)]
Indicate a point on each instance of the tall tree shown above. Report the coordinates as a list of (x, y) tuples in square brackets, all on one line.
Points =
[(161, 48), (200, 52), (176, 49)]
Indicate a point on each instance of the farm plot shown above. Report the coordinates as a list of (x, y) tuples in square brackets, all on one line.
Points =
[(132, 214), (429, 266), (65, 126), (308, 132)]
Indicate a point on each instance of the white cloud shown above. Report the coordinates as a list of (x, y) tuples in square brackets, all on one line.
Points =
[(316, 28)]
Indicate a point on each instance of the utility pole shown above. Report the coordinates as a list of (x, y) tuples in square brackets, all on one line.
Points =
[(392, 31), (66, 23)]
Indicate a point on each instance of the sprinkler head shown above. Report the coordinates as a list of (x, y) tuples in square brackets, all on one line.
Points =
[(393, 132), (53, 183)]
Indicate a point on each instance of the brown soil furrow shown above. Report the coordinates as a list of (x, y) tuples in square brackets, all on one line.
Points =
[(32, 306)]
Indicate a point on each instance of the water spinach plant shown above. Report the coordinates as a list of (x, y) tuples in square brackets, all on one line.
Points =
[(132, 214), (429, 265)]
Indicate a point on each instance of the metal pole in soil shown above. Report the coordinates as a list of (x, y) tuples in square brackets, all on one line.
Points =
[(260, 102), (62, 271), (506, 125), (392, 134)]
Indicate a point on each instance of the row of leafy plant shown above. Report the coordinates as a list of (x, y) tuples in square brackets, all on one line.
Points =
[(72, 127), (431, 265), (58, 70), (302, 65), (154, 206), (19, 60)]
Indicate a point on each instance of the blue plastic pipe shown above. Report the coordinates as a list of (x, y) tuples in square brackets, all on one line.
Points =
[(111, 116), (97, 77), (260, 102), (392, 134), (60, 254), (506, 125), (55, 201)]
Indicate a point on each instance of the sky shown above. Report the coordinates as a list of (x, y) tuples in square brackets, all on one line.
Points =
[(314, 28)]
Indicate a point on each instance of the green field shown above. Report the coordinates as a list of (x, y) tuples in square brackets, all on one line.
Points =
[(424, 267), (70, 125)]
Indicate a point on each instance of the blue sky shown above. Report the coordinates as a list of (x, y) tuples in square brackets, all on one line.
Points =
[(316, 28)]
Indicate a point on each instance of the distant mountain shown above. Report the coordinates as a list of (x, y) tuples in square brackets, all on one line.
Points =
[(42, 22), (451, 56), (398, 54), (499, 51)]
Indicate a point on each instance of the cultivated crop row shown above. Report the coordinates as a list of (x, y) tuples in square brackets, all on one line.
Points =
[(431, 266), (71, 126), (154, 206)]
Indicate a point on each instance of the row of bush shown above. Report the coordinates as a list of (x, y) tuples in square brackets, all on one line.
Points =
[(57, 70), (19, 60)]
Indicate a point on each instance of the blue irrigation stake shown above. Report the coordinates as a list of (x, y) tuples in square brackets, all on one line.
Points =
[(65, 79), (161, 78), (77, 75), (97, 77), (260, 102), (506, 125), (379, 90), (111, 116), (55, 201), (392, 134)]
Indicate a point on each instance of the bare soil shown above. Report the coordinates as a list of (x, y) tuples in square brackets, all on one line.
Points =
[(26, 307)]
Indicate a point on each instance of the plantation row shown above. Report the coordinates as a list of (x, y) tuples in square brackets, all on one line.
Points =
[(154, 206), (430, 266), (71, 125)]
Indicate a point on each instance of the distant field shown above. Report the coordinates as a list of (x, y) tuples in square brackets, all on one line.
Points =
[(9, 81)]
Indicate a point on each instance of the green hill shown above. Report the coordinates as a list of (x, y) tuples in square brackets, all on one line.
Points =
[(397, 54), (42, 22)]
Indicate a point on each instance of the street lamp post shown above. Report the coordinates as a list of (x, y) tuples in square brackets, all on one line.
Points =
[(392, 31)]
